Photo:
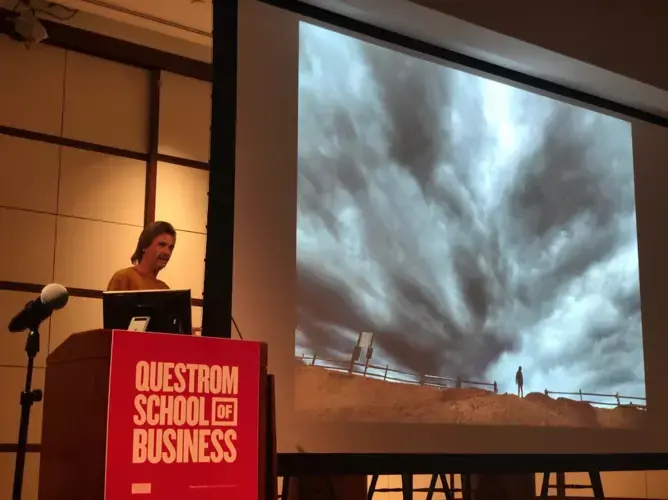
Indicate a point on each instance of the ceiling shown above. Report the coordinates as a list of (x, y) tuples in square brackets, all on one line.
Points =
[(185, 19), (624, 37), (628, 38), (532, 37)]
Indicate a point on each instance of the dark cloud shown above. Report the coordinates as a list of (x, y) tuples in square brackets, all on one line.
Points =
[(472, 227), (554, 187), (412, 97)]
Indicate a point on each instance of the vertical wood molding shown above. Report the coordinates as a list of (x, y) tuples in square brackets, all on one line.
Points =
[(219, 258), (153, 138)]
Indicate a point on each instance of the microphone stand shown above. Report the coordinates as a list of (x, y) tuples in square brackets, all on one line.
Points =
[(29, 396)]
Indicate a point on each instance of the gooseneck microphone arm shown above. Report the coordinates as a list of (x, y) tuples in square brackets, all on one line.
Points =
[(53, 297)]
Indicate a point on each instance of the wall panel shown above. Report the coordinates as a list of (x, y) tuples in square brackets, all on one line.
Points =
[(382, 483), (79, 221), (185, 117), (26, 253), (106, 103), (196, 315), (538, 481), (12, 345), (182, 197), (30, 476), (422, 481), (657, 484), (102, 187), (13, 380), (89, 252), (80, 315), (32, 98), (29, 173), (632, 484)]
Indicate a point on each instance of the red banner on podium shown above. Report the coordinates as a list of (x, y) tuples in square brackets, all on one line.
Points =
[(183, 417)]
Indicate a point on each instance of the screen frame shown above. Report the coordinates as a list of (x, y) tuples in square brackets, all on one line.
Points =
[(317, 15), (248, 128), (294, 464)]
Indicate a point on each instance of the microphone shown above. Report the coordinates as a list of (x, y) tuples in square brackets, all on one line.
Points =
[(52, 298)]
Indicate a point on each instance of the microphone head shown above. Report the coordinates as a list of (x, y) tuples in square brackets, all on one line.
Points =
[(54, 296)]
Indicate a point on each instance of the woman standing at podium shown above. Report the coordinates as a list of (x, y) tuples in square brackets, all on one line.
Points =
[(154, 249)]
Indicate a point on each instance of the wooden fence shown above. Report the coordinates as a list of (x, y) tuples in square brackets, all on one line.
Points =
[(392, 375), (619, 400)]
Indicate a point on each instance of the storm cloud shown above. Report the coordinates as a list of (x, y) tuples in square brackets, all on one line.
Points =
[(471, 225)]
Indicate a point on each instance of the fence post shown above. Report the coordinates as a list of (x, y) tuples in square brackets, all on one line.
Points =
[(547, 393), (496, 388), (313, 360), (387, 367), (422, 379), (580, 391)]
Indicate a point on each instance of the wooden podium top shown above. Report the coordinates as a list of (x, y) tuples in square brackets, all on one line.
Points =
[(96, 344)]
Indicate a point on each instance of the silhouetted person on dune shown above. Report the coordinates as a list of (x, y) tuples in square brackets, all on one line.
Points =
[(519, 380)]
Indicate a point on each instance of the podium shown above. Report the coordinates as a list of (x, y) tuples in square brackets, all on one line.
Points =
[(131, 414)]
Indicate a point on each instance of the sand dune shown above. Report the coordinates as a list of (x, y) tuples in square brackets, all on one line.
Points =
[(330, 395)]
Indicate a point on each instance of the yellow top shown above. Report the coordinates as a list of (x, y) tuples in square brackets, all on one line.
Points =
[(129, 279)]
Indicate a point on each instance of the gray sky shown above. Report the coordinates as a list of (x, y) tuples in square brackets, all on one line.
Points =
[(474, 227)]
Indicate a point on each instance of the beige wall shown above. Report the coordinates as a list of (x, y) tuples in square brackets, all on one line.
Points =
[(71, 215)]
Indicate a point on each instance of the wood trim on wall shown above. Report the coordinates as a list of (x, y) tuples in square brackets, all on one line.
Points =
[(184, 162), (99, 148), (113, 49), (424, 48), (153, 142), (13, 448), (72, 143), (105, 47), (87, 293), (151, 160), (102, 46)]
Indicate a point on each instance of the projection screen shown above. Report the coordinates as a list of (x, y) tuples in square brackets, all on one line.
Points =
[(441, 261)]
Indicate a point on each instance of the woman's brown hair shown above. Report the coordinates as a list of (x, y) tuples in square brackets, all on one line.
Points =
[(150, 233)]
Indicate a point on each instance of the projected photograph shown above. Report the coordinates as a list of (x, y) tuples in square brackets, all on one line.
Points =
[(466, 250)]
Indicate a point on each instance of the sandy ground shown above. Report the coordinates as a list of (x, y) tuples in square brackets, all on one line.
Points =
[(335, 396)]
